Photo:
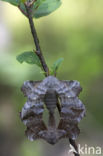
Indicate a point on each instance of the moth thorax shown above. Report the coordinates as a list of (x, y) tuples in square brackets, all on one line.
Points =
[(50, 100)]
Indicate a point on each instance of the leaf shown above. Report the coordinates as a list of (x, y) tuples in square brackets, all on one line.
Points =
[(43, 72), (56, 65), (29, 57), (23, 1), (40, 7), (46, 7), (14, 2)]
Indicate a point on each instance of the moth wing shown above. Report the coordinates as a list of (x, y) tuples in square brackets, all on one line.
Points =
[(71, 87), (35, 92), (32, 132), (31, 113), (71, 106), (28, 86), (72, 109)]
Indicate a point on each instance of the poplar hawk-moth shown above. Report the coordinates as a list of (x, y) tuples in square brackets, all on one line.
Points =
[(48, 92)]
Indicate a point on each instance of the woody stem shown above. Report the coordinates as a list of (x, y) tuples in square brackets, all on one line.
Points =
[(36, 40)]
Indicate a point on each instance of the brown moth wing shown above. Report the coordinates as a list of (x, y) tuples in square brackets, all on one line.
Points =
[(72, 109), (31, 135), (32, 132), (71, 88), (74, 86), (31, 113), (27, 87), (71, 106), (35, 93), (72, 130)]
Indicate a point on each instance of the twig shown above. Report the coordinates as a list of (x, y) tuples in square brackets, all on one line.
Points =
[(22, 10), (35, 38), (73, 143)]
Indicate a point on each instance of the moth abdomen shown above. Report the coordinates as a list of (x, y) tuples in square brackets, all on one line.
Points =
[(50, 100)]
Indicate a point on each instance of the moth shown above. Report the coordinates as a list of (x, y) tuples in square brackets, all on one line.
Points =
[(52, 93)]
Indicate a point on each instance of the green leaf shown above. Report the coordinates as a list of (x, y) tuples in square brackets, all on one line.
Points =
[(46, 7), (40, 7), (30, 58), (14, 2), (56, 65), (42, 72), (23, 1)]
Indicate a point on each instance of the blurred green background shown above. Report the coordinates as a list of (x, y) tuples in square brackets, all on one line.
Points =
[(74, 32)]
